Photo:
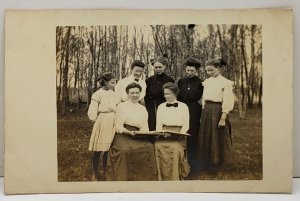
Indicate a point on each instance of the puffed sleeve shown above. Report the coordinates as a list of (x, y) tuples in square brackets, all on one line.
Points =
[(186, 118), (144, 126), (93, 107), (159, 123), (120, 119), (228, 98)]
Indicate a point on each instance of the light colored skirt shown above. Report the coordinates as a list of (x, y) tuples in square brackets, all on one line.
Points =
[(171, 158), (103, 132)]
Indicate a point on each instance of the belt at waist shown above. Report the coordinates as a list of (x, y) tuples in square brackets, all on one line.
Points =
[(107, 112), (131, 128), (212, 102)]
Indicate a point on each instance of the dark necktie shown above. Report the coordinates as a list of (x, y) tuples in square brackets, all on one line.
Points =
[(137, 80), (172, 105)]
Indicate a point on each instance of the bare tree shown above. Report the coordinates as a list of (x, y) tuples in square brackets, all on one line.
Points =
[(65, 73), (84, 53)]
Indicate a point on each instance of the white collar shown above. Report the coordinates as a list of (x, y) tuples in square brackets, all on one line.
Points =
[(218, 77), (133, 79), (132, 103)]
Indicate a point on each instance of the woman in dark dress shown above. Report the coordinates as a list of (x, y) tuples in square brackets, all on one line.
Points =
[(190, 93), (154, 91)]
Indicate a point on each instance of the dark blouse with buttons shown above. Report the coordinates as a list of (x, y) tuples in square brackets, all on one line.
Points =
[(154, 86), (191, 89)]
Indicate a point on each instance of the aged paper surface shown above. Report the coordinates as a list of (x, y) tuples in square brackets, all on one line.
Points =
[(30, 98)]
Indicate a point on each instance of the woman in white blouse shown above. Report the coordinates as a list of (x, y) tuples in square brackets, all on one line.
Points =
[(171, 155), (131, 158), (214, 142)]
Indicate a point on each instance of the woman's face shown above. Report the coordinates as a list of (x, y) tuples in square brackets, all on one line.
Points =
[(212, 71), (137, 72), (134, 94), (111, 84), (169, 95), (159, 68), (190, 71)]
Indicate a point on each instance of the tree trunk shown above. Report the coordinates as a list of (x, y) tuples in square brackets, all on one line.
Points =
[(155, 37), (252, 73), (91, 66), (245, 91), (260, 93), (76, 79), (65, 74), (105, 48), (125, 46), (60, 80), (95, 61)]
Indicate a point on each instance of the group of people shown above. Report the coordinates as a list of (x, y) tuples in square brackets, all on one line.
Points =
[(131, 105)]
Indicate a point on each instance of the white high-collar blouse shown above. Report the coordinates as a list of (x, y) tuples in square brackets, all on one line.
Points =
[(219, 89), (102, 101), (133, 114), (173, 116)]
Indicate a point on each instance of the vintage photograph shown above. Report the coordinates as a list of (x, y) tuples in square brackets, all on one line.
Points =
[(159, 102), (148, 101)]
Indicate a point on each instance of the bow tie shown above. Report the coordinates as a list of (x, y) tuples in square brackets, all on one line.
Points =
[(172, 104), (137, 80)]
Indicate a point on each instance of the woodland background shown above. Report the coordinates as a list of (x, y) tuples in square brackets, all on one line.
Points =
[(84, 53)]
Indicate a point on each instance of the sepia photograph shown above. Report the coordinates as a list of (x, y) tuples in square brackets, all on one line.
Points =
[(159, 102), (148, 101)]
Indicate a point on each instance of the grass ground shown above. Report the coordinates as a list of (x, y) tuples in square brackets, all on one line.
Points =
[(74, 159)]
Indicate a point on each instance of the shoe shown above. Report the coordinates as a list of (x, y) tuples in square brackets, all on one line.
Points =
[(95, 177), (103, 174)]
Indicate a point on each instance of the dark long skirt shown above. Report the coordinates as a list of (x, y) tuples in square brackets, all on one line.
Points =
[(131, 159), (214, 144), (195, 115)]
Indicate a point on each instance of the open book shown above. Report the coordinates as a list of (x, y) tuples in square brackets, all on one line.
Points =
[(158, 133)]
